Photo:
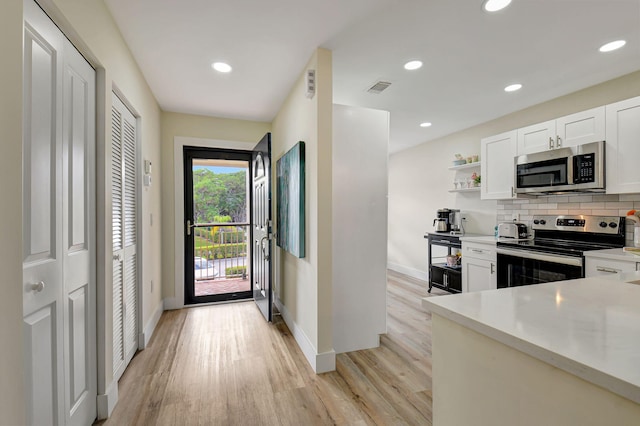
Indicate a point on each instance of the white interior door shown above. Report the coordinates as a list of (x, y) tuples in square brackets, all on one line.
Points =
[(58, 229), (78, 238), (124, 219)]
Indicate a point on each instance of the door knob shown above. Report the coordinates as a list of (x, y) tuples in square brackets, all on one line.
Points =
[(37, 287)]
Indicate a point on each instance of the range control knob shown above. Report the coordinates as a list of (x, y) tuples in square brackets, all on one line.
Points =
[(543, 222), (613, 225), (536, 222), (603, 224)]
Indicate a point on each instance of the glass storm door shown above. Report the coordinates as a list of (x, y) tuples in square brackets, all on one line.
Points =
[(217, 205)]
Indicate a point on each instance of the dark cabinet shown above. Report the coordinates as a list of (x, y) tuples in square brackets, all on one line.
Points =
[(441, 275)]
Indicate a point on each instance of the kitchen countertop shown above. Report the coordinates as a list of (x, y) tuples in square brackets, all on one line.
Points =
[(484, 239), (572, 325), (613, 254), (462, 237)]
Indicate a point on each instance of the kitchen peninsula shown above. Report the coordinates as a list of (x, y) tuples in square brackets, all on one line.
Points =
[(559, 353)]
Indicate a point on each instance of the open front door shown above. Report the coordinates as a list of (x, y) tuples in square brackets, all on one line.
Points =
[(261, 225)]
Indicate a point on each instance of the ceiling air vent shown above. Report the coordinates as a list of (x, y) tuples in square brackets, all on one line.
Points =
[(378, 87)]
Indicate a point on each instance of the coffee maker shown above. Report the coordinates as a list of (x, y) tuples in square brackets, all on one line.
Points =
[(447, 220)]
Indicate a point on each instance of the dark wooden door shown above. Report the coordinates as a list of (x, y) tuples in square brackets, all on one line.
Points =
[(261, 226)]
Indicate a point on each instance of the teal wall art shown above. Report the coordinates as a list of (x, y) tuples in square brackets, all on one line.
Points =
[(290, 200)]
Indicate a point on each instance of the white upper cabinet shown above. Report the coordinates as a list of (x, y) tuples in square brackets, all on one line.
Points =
[(497, 153), (623, 147), (581, 127), (571, 130), (537, 137)]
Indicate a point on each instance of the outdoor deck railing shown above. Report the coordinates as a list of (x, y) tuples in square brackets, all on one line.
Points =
[(221, 251)]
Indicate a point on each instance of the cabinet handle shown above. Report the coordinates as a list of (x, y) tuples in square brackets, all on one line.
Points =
[(609, 270), (493, 270), (551, 143), (558, 141), (446, 281), (477, 250), (513, 192)]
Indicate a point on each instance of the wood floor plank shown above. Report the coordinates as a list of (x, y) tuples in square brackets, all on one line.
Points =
[(224, 365)]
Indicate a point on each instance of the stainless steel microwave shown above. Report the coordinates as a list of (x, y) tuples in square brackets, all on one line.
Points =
[(578, 168)]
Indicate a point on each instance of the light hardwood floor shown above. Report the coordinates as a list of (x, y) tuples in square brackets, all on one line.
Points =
[(224, 365)]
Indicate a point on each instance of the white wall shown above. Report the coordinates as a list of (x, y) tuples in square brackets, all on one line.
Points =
[(419, 179), (12, 404), (360, 153), (304, 286)]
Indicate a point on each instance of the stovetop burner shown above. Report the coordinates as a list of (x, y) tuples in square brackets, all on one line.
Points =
[(566, 247)]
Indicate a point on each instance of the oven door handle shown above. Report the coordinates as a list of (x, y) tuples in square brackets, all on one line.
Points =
[(564, 260)]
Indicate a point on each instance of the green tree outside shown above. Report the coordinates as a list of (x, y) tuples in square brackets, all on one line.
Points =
[(220, 198)]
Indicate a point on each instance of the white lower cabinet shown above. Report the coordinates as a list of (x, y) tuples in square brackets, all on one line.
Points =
[(600, 267), (478, 267)]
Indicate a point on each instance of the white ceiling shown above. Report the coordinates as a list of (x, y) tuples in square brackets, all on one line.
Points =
[(549, 46)]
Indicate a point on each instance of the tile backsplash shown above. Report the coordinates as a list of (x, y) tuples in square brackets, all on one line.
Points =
[(595, 204)]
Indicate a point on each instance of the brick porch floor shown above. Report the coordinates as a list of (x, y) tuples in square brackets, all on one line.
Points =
[(221, 286)]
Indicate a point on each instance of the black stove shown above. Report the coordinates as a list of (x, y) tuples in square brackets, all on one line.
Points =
[(556, 251)]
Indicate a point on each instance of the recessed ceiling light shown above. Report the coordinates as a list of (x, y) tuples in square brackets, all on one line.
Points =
[(425, 124), (612, 46), (513, 88), (221, 67), (413, 65), (495, 5)]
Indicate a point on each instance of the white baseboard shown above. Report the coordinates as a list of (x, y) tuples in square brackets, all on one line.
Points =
[(412, 272), (320, 362), (171, 303), (107, 402), (145, 336), (325, 362)]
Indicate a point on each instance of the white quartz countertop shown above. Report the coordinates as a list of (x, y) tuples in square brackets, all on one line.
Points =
[(588, 327), (484, 239), (613, 254)]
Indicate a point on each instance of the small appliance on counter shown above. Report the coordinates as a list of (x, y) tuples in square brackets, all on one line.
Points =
[(512, 230), (447, 220)]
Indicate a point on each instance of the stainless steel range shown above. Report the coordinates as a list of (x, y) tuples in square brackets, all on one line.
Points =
[(556, 252)]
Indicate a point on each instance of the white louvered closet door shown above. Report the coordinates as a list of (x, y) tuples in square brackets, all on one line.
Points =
[(125, 228)]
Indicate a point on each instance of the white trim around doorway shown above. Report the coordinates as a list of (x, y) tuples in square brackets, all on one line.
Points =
[(179, 142)]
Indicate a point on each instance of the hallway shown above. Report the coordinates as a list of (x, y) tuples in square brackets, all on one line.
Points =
[(225, 365)]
